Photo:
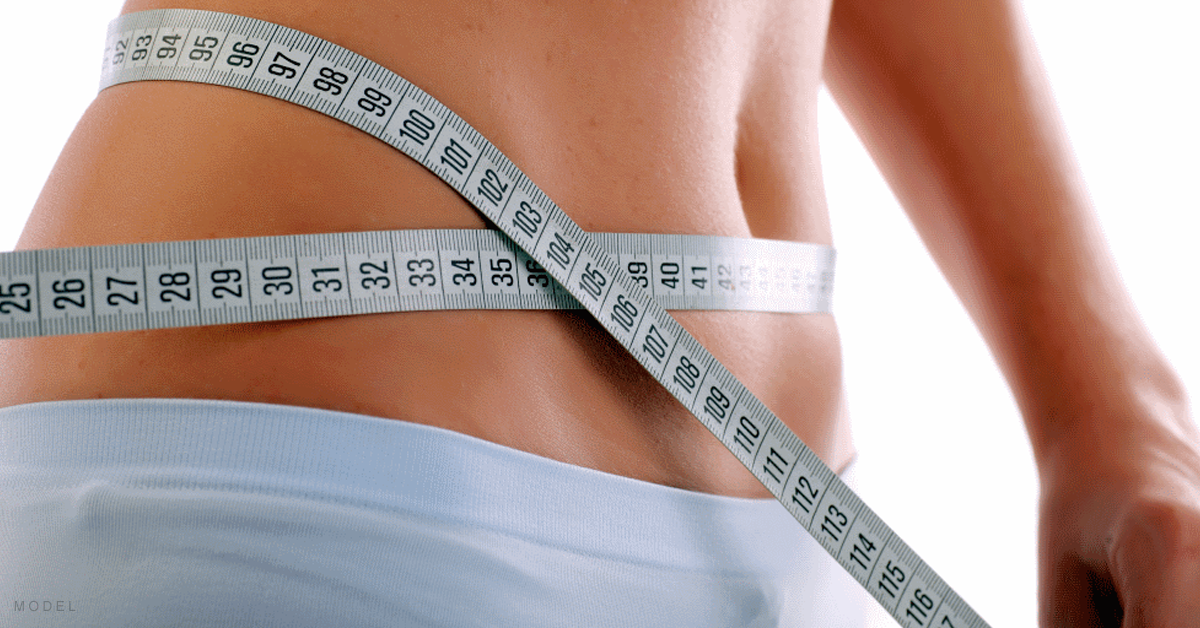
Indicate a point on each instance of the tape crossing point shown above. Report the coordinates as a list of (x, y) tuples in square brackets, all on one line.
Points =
[(273, 60)]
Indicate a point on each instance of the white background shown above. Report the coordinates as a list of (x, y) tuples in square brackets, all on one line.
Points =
[(943, 458)]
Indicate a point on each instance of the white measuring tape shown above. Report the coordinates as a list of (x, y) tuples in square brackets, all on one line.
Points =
[(247, 280), (274, 60)]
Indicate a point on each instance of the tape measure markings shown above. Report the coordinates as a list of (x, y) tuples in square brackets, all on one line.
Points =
[(237, 280), (812, 492)]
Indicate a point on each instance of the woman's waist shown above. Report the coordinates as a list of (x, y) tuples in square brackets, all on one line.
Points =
[(548, 382)]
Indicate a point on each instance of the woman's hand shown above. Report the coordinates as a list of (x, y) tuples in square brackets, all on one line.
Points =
[(1120, 529)]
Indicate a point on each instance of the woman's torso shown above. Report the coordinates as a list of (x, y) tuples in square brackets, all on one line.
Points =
[(692, 117)]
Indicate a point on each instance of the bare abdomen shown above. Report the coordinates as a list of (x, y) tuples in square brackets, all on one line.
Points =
[(169, 161)]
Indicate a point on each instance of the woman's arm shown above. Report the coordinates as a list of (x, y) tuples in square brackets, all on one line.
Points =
[(952, 102)]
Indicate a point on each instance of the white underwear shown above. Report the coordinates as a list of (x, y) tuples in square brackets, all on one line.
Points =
[(169, 512)]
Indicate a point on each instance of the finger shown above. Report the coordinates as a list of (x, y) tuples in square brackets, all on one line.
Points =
[(1076, 596), (1155, 558)]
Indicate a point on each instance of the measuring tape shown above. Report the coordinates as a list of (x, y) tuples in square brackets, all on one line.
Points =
[(248, 280), (277, 61)]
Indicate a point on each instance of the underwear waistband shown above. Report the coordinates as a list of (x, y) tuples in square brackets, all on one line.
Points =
[(392, 465)]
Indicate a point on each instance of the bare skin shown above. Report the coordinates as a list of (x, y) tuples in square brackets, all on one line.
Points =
[(682, 125), (676, 117)]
